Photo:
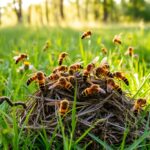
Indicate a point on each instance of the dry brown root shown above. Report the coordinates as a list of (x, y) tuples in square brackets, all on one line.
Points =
[(4, 98)]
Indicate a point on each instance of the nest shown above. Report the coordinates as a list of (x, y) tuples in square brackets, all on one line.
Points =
[(106, 115)]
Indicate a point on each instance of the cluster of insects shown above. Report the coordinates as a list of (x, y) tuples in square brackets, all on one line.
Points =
[(66, 77)]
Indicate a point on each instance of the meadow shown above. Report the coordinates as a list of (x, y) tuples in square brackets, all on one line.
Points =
[(30, 40)]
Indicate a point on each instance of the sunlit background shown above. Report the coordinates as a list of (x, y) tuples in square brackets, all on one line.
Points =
[(72, 12)]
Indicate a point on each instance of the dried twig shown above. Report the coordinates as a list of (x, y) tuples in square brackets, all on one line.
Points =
[(2, 99)]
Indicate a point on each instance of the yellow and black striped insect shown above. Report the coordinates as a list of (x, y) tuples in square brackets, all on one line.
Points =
[(93, 89), (120, 75), (62, 83), (64, 106), (40, 78), (111, 85), (86, 34), (19, 58), (62, 56), (138, 105)]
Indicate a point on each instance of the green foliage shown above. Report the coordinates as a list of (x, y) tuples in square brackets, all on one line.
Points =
[(138, 9), (103, 143), (31, 40)]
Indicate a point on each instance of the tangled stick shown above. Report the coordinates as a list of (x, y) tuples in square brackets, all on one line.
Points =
[(4, 98)]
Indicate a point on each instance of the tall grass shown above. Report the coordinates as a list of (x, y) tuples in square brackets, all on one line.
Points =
[(30, 40)]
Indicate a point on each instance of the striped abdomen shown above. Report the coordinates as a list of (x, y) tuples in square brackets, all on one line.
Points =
[(31, 80)]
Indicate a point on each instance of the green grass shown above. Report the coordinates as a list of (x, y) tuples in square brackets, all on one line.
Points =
[(30, 40)]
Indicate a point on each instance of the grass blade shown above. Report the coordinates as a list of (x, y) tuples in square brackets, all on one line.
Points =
[(83, 135), (73, 122), (148, 76), (138, 141), (103, 143), (124, 138), (88, 130)]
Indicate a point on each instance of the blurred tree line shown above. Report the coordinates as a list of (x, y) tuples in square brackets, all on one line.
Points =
[(49, 11)]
